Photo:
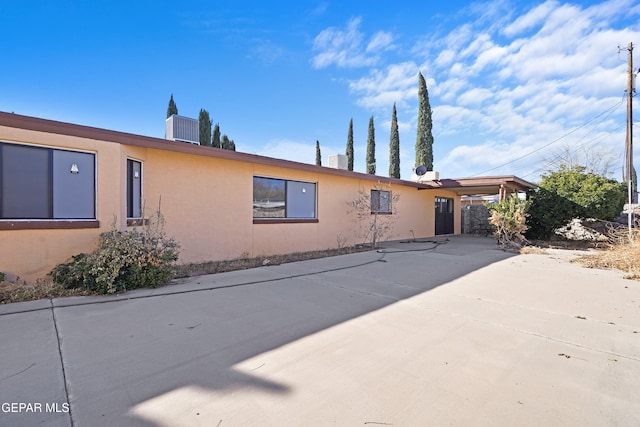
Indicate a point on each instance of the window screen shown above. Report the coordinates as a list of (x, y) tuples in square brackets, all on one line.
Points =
[(134, 189), (279, 198), (73, 185), (301, 199), (380, 201), (46, 183), (26, 182)]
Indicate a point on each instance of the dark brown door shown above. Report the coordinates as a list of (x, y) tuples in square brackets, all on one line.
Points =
[(444, 215)]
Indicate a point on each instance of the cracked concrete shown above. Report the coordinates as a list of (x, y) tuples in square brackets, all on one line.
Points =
[(442, 332)]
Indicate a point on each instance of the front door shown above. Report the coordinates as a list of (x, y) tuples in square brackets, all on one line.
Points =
[(444, 215)]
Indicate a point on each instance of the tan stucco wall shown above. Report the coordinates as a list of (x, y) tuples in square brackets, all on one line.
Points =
[(207, 204), (31, 254)]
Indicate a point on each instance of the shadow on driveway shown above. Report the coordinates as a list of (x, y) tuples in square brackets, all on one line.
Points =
[(120, 354)]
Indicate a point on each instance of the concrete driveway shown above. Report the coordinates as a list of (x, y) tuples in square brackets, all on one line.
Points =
[(441, 332)]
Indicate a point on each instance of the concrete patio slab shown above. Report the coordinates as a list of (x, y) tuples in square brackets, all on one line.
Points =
[(448, 333)]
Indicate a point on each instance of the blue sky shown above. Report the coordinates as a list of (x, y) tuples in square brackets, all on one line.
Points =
[(512, 84)]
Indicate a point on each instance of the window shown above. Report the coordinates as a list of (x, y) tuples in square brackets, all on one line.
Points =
[(444, 205), (380, 201), (279, 198), (46, 183), (134, 189)]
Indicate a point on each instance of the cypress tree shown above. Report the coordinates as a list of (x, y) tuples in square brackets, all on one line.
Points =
[(227, 144), (394, 147), (350, 146), (215, 138), (318, 155), (205, 128), (371, 149), (424, 139), (172, 108)]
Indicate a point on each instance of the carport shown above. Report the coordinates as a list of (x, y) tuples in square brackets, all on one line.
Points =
[(503, 186)]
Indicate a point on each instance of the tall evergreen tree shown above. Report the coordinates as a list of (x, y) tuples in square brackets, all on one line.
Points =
[(424, 139), (172, 108), (371, 149), (215, 138), (394, 147), (232, 145), (225, 142), (318, 155), (350, 146), (204, 122)]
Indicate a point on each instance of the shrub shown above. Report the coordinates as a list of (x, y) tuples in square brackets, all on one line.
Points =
[(622, 253), (123, 260), (508, 219), (570, 193), (549, 211)]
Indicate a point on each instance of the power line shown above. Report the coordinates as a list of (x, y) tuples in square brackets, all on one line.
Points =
[(552, 142), (577, 147)]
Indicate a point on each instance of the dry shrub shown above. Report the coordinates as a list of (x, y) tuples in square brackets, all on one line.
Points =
[(508, 219), (536, 250), (622, 253)]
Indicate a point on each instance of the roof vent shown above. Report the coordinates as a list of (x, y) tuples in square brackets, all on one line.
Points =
[(338, 161), (183, 129), (421, 174)]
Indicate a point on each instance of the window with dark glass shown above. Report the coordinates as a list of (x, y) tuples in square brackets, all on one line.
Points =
[(134, 189), (46, 183), (279, 198), (380, 201)]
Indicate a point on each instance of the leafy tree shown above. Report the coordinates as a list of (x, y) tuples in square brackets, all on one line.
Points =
[(573, 193), (215, 138), (350, 146), (394, 147), (424, 139), (371, 149), (318, 155), (548, 211), (232, 145), (204, 122), (172, 108)]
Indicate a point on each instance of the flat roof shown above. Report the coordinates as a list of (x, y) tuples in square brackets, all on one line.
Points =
[(460, 186), (481, 185)]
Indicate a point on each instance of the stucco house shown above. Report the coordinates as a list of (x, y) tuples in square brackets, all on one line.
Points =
[(63, 184)]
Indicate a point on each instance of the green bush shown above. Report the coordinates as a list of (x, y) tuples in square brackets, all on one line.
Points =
[(123, 260), (549, 211), (572, 193)]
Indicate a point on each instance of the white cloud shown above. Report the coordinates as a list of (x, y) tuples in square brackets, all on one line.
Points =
[(381, 88), (534, 17), (303, 152), (380, 41), (475, 97), (346, 47), (506, 84)]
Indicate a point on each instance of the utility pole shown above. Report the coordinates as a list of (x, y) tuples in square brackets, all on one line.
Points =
[(629, 142)]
